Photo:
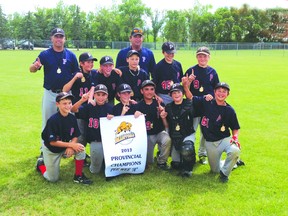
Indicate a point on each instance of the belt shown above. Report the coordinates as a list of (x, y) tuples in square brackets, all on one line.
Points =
[(56, 90)]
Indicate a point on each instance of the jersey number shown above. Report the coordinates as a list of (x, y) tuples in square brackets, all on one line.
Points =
[(93, 123)]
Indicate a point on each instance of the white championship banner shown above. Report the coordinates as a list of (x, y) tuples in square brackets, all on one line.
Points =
[(124, 141)]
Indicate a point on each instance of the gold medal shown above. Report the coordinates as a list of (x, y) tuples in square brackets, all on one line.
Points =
[(177, 128), (83, 79), (59, 71), (201, 89), (222, 129)]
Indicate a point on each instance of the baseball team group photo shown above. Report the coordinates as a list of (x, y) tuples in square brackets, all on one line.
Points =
[(142, 131)]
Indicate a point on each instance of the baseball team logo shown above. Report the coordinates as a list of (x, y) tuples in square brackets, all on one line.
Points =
[(123, 134)]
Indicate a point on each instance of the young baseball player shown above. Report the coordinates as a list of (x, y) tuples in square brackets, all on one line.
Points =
[(82, 83), (59, 66), (133, 75), (204, 83), (217, 119), (92, 114), (154, 125), (108, 77), (126, 105), (167, 72), (60, 140), (178, 116)]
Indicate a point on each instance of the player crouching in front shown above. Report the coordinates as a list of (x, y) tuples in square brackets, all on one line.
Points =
[(179, 116), (60, 137)]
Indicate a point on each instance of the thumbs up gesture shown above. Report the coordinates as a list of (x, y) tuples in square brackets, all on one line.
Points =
[(37, 63)]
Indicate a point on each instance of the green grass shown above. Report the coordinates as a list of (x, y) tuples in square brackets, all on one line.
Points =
[(258, 82)]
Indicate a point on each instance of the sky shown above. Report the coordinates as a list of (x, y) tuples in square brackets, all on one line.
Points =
[(9, 6)]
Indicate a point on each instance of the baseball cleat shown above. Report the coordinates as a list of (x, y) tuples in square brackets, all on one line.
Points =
[(223, 178), (164, 167), (82, 179), (203, 160), (40, 162), (186, 174)]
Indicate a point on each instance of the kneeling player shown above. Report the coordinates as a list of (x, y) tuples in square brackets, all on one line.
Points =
[(179, 116), (60, 137)]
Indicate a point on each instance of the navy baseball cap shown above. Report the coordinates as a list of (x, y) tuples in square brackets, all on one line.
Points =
[(147, 83), (168, 47), (57, 31), (124, 88), (176, 87), (136, 31), (132, 52), (203, 50), (101, 88), (64, 95), (222, 85), (106, 60), (86, 57)]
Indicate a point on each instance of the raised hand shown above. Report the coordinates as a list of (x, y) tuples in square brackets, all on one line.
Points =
[(37, 63)]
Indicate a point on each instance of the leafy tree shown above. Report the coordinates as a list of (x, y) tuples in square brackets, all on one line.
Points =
[(224, 27), (278, 26), (206, 28), (3, 25), (28, 28), (131, 13), (78, 24), (193, 17), (157, 21), (175, 28)]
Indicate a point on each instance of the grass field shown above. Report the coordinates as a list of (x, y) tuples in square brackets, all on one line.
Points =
[(258, 94)]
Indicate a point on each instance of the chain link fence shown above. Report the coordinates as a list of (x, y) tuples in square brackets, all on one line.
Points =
[(256, 48)]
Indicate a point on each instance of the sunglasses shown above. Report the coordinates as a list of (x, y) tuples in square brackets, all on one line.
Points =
[(138, 31)]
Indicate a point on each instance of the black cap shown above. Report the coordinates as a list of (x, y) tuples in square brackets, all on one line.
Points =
[(132, 52), (168, 47), (86, 57), (147, 83), (124, 88), (222, 85), (57, 31), (64, 95), (203, 50), (106, 60), (176, 87), (101, 88), (136, 31)]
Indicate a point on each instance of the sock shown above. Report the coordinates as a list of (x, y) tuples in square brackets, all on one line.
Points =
[(42, 168), (79, 167)]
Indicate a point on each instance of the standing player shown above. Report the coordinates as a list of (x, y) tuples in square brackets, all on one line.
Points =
[(218, 118), (92, 114), (147, 60), (167, 72), (154, 125), (108, 77), (204, 83), (82, 83), (59, 65), (133, 74), (60, 140)]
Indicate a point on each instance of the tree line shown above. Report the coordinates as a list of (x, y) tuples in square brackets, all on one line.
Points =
[(198, 24)]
